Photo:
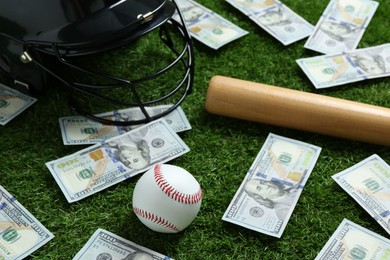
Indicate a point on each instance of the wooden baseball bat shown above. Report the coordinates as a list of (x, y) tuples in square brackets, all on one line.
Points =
[(298, 110)]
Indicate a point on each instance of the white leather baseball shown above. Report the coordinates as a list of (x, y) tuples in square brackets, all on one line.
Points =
[(167, 198)]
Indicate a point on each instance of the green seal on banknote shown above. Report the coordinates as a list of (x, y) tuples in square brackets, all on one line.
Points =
[(10, 235), (217, 31), (358, 252), (3, 103), (89, 130)]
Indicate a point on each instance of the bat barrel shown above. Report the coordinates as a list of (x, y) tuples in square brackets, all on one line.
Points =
[(298, 110)]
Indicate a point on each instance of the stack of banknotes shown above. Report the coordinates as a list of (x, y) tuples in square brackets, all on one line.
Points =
[(264, 202), (116, 159), (336, 35), (272, 186), (78, 130)]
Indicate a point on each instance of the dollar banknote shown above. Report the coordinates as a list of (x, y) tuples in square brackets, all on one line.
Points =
[(21, 233), (352, 241), (368, 182), (275, 18), (79, 130), (207, 26), (341, 26), (338, 69), (102, 165), (267, 197), (107, 245), (12, 103)]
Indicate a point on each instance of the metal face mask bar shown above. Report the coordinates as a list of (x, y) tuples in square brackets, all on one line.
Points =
[(34, 52)]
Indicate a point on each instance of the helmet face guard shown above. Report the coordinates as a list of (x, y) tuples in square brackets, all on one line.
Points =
[(68, 43)]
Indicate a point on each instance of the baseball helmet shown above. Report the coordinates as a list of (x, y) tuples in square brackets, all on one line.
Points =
[(46, 42)]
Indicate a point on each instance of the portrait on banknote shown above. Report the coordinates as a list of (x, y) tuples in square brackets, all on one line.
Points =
[(9, 104), (198, 20), (132, 115), (271, 194), (274, 18), (340, 32), (272, 186), (207, 26), (341, 26), (271, 14), (132, 152), (12, 103), (192, 13), (371, 64), (104, 164), (338, 69)]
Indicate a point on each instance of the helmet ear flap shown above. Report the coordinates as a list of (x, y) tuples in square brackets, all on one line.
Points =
[(27, 76)]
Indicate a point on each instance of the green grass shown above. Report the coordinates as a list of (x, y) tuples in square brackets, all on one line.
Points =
[(222, 150)]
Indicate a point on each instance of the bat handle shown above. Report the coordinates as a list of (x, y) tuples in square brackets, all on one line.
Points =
[(298, 110)]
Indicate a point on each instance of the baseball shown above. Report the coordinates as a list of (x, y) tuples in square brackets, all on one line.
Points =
[(167, 198)]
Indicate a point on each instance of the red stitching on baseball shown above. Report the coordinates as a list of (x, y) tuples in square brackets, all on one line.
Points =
[(156, 219), (171, 192)]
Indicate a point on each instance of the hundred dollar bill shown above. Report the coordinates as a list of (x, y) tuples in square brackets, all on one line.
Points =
[(106, 245), (20, 232), (100, 166), (352, 241), (368, 182), (267, 197), (341, 26), (12, 103), (276, 19), (207, 26), (79, 130), (337, 69)]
